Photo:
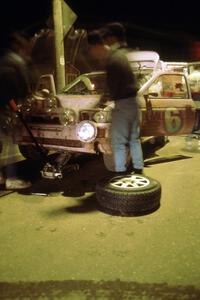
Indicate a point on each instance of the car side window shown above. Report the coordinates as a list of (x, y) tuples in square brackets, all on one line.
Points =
[(169, 86)]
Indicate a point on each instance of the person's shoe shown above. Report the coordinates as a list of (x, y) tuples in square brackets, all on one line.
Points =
[(16, 184), (122, 173), (137, 171)]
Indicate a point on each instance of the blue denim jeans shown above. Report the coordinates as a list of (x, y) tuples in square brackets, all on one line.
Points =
[(125, 132)]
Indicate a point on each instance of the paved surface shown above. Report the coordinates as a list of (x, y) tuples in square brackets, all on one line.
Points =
[(61, 247)]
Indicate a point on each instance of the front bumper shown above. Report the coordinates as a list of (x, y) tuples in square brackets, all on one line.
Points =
[(59, 137)]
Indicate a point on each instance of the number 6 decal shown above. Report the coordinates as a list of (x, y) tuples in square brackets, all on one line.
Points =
[(172, 120)]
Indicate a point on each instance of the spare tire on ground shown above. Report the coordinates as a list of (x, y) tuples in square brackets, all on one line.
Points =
[(128, 195)]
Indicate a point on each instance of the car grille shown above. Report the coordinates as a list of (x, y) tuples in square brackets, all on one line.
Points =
[(58, 142), (42, 120), (87, 115)]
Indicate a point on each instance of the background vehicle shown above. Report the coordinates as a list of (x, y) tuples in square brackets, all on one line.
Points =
[(176, 66), (147, 62)]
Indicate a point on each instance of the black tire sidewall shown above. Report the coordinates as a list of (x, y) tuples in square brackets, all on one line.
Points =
[(123, 202)]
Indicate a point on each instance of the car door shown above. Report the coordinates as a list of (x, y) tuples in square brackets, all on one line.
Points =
[(194, 80), (167, 107)]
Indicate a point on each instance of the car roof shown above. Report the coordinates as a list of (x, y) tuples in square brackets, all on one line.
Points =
[(143, 56)]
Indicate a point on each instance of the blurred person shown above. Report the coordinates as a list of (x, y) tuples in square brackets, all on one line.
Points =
[(98, 51), (22, 45), (114, 35), (15, 83), (122, 87)]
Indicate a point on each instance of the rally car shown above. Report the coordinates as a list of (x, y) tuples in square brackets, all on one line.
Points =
[(73, 122)]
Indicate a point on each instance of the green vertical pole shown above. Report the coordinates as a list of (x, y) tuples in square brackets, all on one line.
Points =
[(59, 44)]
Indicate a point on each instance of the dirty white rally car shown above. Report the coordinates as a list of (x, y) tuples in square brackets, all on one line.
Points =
[(71, 121)]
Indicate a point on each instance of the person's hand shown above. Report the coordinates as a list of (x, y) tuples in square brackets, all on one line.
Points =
[(103, 100)]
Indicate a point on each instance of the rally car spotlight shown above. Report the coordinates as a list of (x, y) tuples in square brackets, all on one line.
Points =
[(50, 104), (67, 117), (101, 117), (86, 131), (26, 107)]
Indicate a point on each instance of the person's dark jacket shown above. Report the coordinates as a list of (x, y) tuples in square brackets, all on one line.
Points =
[(14, 79), (121, 80)]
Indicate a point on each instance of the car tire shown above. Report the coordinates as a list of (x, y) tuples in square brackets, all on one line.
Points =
[(161, 141), (128, 195), (30, 152)]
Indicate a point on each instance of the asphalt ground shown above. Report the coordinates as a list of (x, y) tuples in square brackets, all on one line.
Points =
[(60, 246)]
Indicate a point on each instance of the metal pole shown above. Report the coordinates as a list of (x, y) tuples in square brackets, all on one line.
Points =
[(59, 44)]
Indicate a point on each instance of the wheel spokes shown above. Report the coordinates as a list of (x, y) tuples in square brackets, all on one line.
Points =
[(129, 182)]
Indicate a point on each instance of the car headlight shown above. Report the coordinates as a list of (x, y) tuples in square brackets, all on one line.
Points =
[(50, 104), (67, 117), (100, 117), (86, 131), (26, 107)]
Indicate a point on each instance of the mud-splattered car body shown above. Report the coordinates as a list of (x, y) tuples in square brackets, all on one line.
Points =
[(73, 121)]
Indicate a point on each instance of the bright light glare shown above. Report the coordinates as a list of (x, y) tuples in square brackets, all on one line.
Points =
[(86, 132)]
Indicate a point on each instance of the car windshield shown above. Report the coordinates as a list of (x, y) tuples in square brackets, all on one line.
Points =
[(95, 83), (91, 83)]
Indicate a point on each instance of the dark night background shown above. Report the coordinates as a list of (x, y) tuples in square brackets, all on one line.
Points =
[(170, 27)]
